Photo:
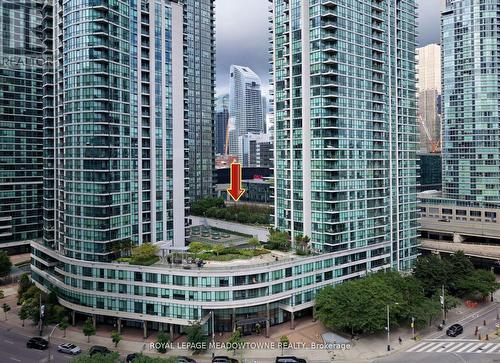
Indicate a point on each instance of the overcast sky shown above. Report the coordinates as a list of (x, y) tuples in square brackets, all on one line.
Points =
[(242, 35)]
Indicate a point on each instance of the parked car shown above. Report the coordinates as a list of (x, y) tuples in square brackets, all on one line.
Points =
[(69, 348), (290, 359), (99, 349), (131, 357), (37, 343), (224, 359), (454, 330), (183, 359)]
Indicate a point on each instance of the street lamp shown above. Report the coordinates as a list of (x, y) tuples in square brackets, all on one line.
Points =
[(48, 339), (388, 328)]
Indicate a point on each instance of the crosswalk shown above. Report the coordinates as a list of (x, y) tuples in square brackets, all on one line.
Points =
[(455, 346)]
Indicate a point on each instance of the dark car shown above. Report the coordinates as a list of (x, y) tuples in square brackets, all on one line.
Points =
[(454, 330), (99, 349), (37, 343), (224, 359), (183, 359), (290, 359), (131, 357)]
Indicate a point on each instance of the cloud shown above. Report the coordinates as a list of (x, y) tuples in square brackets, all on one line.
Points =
[(242, 35)]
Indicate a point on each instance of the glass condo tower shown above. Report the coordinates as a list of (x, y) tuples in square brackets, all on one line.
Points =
[(471, 126), (345, 124)]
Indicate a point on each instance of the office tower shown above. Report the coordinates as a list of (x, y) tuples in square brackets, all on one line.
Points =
[(245, 104), (200, 80), (471, 125), (255, 150), (429, 97), (21, 72), (346, 129), (221, 120), (264, 114), (116, 162)]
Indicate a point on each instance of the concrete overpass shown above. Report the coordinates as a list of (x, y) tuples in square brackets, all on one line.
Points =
[(486, 252)]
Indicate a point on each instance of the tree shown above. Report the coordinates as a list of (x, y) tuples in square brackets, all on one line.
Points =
[(112, 357), (24, 284), (284, 343), (254, 243), (235, 342), (88, 329), (162, 341), (2, 294), (433, 272), (477, 285), (196, 337), (24, 313), (141, 358), (144, 252), (5, 264), (116, 337), (459, 268), (6, 309), (279, 241), (198, 247), (63, 325), (359, 306), (218, 248)]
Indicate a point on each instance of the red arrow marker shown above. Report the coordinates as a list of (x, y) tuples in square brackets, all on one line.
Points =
[(235, 190)]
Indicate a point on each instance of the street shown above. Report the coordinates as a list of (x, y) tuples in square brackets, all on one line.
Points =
[(13, 348), (465, 348)]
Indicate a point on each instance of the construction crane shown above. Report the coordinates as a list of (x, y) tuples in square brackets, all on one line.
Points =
[(435, 144)]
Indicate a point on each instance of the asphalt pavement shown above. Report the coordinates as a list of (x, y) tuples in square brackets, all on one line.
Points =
[(465, 348), (13, 349)]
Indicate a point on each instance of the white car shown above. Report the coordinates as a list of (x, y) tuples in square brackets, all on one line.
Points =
[(69, 348)]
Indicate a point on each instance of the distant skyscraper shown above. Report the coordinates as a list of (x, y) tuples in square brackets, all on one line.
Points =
[(255, 150), (221, 120), (21, 138), (429, 97), (346, 129), (245, 104), (199, 16), (471, 126)]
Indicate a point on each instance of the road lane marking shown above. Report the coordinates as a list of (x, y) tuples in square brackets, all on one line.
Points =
[(456, 346), (15, 359), (464, 347), (483, 348), (8, 341), (415, 347), (443, 347), (427, 346), (491, 350), (439, 345), (474, 348)]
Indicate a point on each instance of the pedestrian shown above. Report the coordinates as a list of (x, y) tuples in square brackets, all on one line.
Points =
[(400, 340)]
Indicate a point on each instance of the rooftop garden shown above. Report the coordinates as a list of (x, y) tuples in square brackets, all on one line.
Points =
[(143, 255), (216, 208), (219, 252)]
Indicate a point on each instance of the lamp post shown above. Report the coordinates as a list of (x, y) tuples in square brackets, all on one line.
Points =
[(388, 328), (54, 328)]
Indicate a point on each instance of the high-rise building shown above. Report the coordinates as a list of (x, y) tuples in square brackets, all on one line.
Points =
[(199, 16), (255, 150), (115, 156), (245, 104), (471, 124), (429, 97), (116, 113), (346, 131), (21, 139), (221, 121)]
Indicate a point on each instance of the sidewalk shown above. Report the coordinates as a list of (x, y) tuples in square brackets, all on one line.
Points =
[(306, 332)]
